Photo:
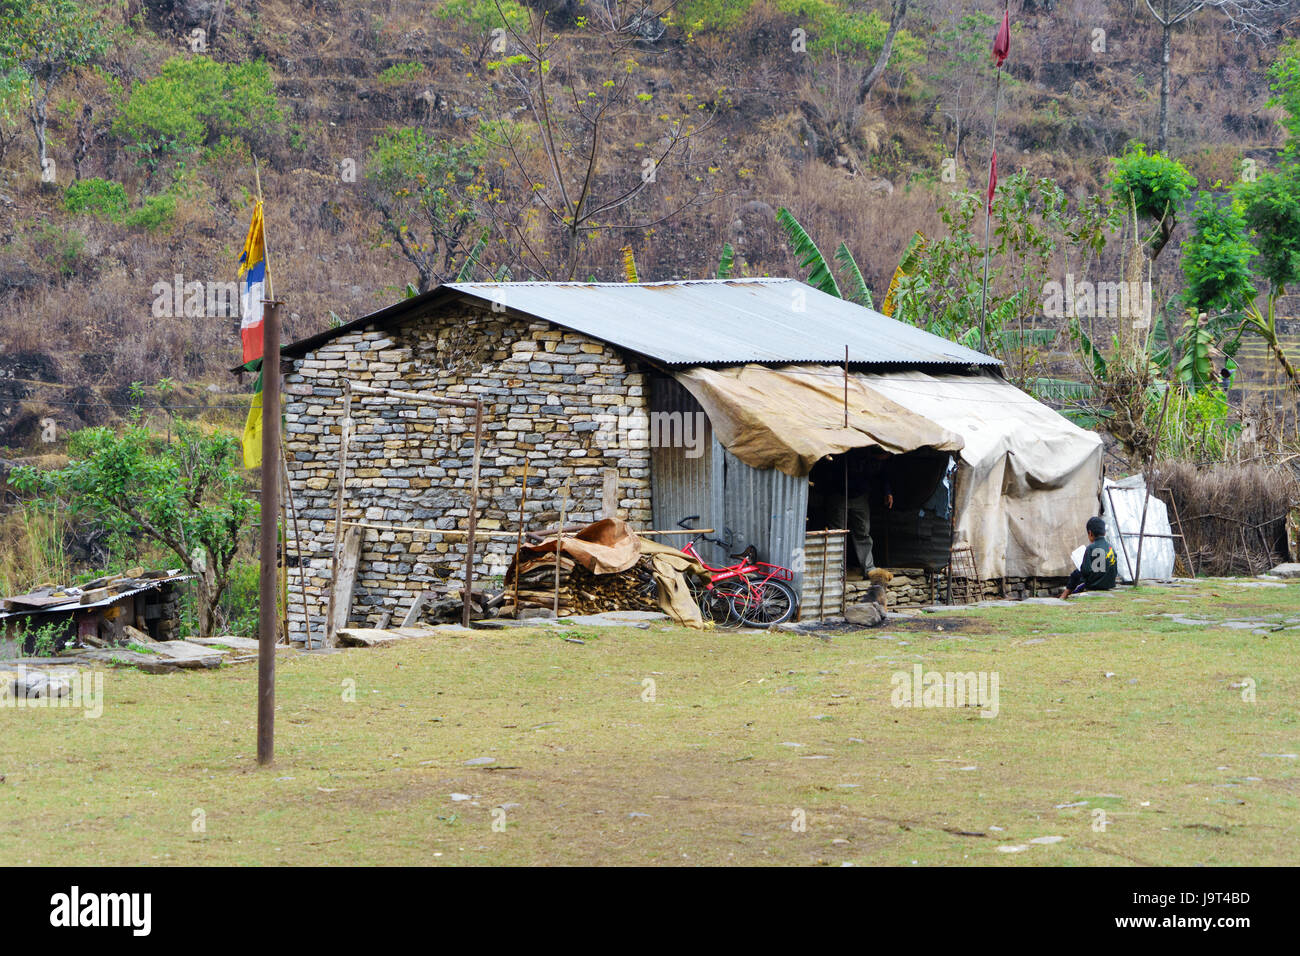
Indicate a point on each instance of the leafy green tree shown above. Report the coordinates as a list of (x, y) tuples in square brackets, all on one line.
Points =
[(195, 101), (1035, 230), (1284, 81), (1151, 186), (425, 191), (1216, 258), (187, 495), (14, 85), (48, 40), (1271, 207)]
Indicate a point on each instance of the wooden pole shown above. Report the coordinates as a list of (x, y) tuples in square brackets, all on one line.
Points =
[(270, 512), (1146, 482), (282, 567), (297, 540), (559, 544), (345, 428), (519, 545), (472, 525)]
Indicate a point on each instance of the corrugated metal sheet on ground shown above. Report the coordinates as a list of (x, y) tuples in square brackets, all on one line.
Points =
[(726, 321)]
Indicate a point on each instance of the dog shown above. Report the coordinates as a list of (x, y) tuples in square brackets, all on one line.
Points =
[(878, 591)]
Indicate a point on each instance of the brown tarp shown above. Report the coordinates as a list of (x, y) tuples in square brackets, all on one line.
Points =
[(610, 546), (789, 418)]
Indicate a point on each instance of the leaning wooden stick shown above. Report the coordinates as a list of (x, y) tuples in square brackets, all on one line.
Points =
[(519, 545)]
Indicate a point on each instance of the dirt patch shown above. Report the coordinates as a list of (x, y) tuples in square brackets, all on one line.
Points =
[(931, 624)]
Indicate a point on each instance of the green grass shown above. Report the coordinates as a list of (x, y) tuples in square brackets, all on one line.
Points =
[(1165, 746)]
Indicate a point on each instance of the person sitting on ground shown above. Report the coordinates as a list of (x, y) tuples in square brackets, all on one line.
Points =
[(1099, 568)]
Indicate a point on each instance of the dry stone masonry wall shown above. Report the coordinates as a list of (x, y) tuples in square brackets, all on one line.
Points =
[(549, 397)]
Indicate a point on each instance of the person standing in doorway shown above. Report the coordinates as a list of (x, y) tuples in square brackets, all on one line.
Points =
[(862, 475)]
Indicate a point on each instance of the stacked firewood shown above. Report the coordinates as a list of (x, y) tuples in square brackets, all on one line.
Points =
[(581, 591)]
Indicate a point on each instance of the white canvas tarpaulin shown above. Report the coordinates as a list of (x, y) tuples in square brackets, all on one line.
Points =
[(1123, 522), (1028, 478)]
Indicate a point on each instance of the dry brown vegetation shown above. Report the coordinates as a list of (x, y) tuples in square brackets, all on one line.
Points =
[(75, 291)]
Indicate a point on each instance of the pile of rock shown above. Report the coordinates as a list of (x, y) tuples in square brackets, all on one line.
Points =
[(914, 588)]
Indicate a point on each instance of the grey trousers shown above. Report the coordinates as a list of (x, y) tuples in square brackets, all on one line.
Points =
[(859, 526)]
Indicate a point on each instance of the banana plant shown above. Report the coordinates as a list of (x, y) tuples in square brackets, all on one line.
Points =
[(726, 261), (858, 291), (908, 263), (466, 272), (809, 256)]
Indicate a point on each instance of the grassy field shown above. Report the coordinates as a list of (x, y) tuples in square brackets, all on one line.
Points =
[(747, 748)]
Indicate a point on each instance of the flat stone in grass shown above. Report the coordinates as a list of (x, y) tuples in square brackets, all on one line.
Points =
[(1290, 569), (373, 637), (480, 761)]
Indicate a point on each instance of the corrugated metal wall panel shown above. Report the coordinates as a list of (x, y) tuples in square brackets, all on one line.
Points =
[(764, 508), (817, 602), (680, 485)]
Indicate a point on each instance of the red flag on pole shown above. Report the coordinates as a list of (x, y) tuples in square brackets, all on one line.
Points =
[(993, 179), (1002, 42)]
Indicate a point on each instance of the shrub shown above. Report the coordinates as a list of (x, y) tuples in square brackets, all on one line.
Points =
[(101, 198), (61, 249), (401, 73), (194, 101), (155, 213)]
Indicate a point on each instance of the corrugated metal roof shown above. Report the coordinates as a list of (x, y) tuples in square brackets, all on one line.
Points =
[(697, 322), (726, 321), (74, 604)]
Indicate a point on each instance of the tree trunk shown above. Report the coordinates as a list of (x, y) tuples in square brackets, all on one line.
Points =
[(38, 120), (1166, 42), (895, 21)]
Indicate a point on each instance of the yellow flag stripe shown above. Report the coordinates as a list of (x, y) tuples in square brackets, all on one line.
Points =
[(253, 433)]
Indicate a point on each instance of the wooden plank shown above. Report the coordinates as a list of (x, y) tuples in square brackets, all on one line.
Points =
[(609, 493), (345, 579), (345, 426), (421, 601)]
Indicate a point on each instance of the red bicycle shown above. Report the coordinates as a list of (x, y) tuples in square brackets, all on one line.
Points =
[(749, 592)]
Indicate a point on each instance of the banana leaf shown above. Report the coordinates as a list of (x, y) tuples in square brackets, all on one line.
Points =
[(858, 291), (809, 256)]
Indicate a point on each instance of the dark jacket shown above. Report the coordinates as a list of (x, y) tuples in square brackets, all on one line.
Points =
[(1099, 566)]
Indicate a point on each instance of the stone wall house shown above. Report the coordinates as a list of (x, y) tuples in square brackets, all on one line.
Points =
[(549, 396), (708, 400)]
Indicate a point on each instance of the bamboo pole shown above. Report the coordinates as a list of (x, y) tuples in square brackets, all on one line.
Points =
[(472, 524), (559, 544)]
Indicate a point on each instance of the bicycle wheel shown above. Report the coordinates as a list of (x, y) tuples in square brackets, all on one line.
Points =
[(717, 603), (765, 603)]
